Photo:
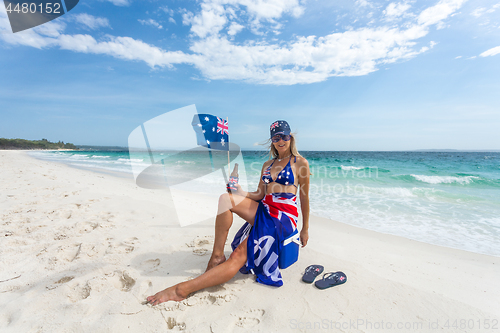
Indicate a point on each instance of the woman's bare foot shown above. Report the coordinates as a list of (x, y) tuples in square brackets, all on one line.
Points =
[(169, 294), (215, 261)]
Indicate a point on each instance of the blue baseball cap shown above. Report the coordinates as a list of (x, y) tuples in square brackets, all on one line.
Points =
[(280, 127)]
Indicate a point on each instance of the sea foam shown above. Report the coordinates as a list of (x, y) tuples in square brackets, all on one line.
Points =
[(444, 179)]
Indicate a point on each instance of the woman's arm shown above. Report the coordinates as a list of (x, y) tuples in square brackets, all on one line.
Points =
[(256, 195), (303, 172)]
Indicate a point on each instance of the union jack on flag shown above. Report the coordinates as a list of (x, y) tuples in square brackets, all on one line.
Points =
[(222, 126), (277, 206), (211, 131)]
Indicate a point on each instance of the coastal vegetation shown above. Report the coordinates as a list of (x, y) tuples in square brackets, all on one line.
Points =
[(34, 144)]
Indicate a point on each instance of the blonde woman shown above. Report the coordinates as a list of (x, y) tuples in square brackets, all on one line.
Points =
[(271, 215)]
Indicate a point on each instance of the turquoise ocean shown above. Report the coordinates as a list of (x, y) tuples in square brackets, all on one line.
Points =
[(450, 199)]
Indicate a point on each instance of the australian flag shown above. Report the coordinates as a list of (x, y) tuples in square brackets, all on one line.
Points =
[(211, 131), (275, 220)]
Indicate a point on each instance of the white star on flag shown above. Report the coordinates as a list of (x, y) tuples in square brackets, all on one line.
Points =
[(208, 142), (213, 129), (203, 131), (206, 118)]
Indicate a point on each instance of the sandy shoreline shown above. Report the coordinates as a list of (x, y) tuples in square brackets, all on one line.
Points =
[(80, 251)]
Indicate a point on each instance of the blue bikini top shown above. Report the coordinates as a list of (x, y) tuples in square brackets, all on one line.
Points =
[(285, 177)]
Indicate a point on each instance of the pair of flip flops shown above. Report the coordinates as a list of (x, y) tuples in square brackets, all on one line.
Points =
[(328, 280)]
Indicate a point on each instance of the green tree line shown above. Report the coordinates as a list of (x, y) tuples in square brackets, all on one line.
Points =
[(34, 144)]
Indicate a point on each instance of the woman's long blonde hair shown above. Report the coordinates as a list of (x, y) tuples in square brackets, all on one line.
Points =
[(273, 153)]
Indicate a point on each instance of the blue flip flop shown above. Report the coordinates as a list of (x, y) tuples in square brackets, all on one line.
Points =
[(311, 273), (331, 280)]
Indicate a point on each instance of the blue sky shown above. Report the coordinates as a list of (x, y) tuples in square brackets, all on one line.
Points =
[(347, 75)]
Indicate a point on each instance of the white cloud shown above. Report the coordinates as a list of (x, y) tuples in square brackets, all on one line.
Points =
[(90, 21), (120, 2), (491, 52), (167, 10), (439, 12), (234, 28), (215, 14), (478, 12), (305, 59), (363, 3), (151, 22), (123, 48), (270, 9), (171, 20), (394, 10), (209, 21)]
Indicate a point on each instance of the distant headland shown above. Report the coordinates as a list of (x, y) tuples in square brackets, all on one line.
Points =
[(45, 144)]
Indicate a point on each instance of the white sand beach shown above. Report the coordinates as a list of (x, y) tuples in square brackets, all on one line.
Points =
[(80, 252)]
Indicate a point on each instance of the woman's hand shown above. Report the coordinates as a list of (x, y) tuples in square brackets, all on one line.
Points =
[(238, 191), (304, 237)]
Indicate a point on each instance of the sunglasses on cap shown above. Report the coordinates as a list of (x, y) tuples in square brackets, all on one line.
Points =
[(278, 137)]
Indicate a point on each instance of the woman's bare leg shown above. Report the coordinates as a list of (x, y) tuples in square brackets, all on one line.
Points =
[(223, 222), (246, 209), (219, 274)]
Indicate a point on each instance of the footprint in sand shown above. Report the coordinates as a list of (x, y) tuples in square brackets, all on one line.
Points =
[(201, 245), (200, 252), (217, 295), (126, 246), (106, 216), (246, 321), (67, 252), (122, 280), (172, 324), (93, 249), (150, 265), (104, 220), (59, 282), (64, 214), (85, 227), (79, 292), (250, 318), (126, 282)]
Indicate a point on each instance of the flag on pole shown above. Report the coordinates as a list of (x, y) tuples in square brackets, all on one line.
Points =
[(211, 131)]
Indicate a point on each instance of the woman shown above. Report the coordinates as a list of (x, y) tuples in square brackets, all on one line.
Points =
[(272, 206)]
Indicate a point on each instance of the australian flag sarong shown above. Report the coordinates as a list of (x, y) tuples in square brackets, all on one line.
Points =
[(275, 220)]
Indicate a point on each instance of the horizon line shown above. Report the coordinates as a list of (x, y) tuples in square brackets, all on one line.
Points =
[(338, 150)]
